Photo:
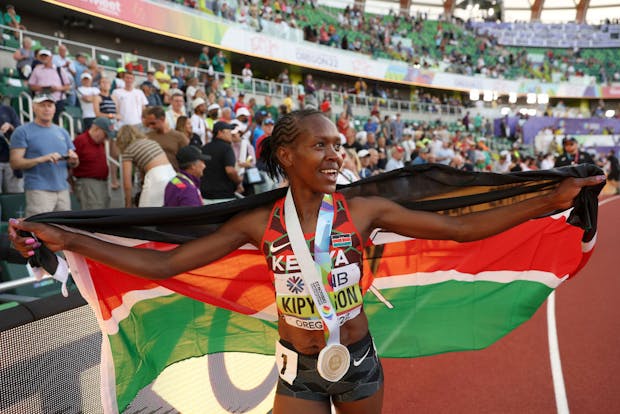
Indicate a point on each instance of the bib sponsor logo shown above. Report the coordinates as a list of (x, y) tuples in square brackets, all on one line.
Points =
[(295, 284), (317, 325)]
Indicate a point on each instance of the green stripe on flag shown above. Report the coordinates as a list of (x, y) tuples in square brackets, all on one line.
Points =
[(449, 316), (173, 328)]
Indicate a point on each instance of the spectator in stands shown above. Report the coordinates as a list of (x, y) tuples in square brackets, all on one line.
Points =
[(364, 157), (396, 127), (270, 108), (119, 80), (220, 181), (502, 165), (184, 188), (244, 154), (52, 81), (169, 139), (151, 160), (131, 62), (373, 162), (176, 109), (288, 101), (445, 154), (351, 141), (163, 78), (309, 86), (184, 126), (14, 20), (199, 124), (326, 107), (80, 65), (226, 115), (218, 62), (396, 158), (61, 60), (240, 103), (129, 102), (24, 57), (105, 107), (203, 60), (267, 128), (572, 154), (87, 95), (174, 89), (10, 181), (43, 151), (348, 172), (91, 176), (284, 79), (246, 76), (460, 163), (192, 89), (213, 111), (152, 97)]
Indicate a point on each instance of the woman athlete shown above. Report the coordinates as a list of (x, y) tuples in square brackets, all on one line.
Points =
[(305, 148)]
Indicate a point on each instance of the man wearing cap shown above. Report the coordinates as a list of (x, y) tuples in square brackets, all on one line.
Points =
[(86, 94), (152, 96), (240, 103), (364, 157), (572, 155), (91, 176), (53, 81), (199, 125), (396, 158), (243, 118), (43, 151), (213, 112), (220, 180), (169, 139), (184, 188)]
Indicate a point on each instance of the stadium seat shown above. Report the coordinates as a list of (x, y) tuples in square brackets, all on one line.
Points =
[(9, 41), (12, 205)]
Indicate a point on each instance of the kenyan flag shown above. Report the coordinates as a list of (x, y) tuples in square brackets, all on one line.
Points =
[(421, 296)]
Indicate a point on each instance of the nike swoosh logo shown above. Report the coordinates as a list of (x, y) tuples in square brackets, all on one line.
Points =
[(357, 362), (274, 249)]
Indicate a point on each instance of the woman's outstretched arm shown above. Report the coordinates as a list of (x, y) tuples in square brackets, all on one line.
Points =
[(244, 228), (381, 213)]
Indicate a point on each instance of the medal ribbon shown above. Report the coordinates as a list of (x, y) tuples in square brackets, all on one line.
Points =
[(315, 272)]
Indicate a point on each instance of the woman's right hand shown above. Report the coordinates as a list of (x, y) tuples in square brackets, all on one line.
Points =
[(54, 238)]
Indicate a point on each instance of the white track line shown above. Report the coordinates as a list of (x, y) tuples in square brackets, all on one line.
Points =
[(561, 401)]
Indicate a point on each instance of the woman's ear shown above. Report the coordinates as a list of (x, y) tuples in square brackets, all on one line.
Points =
[(285, 156)]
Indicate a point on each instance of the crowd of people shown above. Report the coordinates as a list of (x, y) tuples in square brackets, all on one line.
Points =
[(454, 45)]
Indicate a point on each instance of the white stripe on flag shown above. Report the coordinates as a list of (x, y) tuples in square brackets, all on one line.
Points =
[(440, 276)]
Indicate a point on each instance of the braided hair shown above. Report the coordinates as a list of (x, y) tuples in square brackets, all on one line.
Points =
[(284, 133)]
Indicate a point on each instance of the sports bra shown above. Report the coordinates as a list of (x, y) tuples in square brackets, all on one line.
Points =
[(293, 298)]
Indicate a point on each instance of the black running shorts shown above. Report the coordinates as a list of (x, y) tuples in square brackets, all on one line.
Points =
[(363, 379)]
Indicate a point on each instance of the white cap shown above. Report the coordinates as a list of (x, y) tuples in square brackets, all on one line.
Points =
[(240, 126), (86, 75), (197, 102), (45, 52), (343, 139), (242, 111), (363, 153), (408, 131), (361, 135), (504, 153), (213, 107)]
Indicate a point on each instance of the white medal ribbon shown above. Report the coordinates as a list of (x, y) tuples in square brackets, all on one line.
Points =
[(334, 359)]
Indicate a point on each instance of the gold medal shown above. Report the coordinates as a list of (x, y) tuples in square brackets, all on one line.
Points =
[(333, 362)]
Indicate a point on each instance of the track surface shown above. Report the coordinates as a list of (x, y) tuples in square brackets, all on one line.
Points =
[(514, 374)]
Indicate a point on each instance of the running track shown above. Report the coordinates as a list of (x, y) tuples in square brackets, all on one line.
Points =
[(514, 375)]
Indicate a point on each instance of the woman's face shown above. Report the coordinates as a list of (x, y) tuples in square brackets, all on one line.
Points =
[(188, 128), (313, 159)]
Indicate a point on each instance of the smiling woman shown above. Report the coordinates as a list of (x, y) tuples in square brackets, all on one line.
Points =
[(313, 241)]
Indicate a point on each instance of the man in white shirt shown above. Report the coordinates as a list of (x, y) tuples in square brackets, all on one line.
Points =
[(199, 126), (175, 110), (396, 159), (86, 94), (130, 102)]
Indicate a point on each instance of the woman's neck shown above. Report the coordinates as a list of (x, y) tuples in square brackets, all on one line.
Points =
[(307, 204)]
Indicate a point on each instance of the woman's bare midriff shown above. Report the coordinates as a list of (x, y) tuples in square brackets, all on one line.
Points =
[(311, 342), (161, 159)]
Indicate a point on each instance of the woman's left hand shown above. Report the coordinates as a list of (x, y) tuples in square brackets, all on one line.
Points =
[(569, 188)]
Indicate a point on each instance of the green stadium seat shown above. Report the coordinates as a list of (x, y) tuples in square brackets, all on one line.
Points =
[(12, 205), (10, 42), (12, 87)]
